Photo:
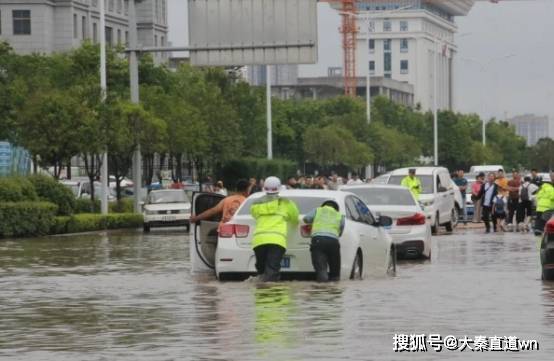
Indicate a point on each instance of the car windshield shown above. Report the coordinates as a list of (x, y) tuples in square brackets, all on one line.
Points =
[(384, 196), (176, 196), (304, 204), (426, 182)]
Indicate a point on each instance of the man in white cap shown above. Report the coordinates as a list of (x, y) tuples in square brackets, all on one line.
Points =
[(274, 215)]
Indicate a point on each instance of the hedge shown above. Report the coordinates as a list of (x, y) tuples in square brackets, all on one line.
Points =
[(17, 189), (26, 218), (246, 168), (125, 205), (50, 190), (95, 222)]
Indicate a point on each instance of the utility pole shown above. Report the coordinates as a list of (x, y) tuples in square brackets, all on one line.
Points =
[(268, 106), (104, 174), (435, 106), (134, 85)]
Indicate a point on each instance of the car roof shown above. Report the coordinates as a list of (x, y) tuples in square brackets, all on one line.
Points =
[(374, 186), (419, 170), (315, 193), (165, 190)]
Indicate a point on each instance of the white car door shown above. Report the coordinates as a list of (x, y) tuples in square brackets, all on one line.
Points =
[(448, 195), (203, 235)]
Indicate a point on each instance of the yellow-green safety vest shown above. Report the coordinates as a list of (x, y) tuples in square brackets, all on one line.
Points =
[(413, 184), (327, 220), (273, 216), (545, 198)]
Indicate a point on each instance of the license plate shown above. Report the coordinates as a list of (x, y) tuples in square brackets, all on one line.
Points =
[(285, 262), (169, 218)]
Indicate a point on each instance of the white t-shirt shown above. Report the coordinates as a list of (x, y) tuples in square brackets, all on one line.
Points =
[(355, 182)]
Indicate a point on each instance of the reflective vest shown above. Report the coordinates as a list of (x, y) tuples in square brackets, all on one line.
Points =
[(545, 198), (273, 216), (413, 184), (327, 220)]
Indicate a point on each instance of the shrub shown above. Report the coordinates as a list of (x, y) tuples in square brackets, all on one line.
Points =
[(26, 218), (50, 190), (95, 222), (245, 168), (83, 205), (17, 189), (125, 205)]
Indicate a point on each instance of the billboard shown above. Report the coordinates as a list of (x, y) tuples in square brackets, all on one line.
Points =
[(252, 32), (13, 160)]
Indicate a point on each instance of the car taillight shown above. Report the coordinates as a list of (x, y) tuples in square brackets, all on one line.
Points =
[(415, 220), (229, 230), (306, 230), (549, 228)]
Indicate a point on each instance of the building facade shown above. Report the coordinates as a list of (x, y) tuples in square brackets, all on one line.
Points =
[(533, 127), (48, 26), (399, 39), (280, 74)]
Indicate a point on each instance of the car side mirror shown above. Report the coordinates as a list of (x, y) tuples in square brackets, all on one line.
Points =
[(442, 189), (385, 221)]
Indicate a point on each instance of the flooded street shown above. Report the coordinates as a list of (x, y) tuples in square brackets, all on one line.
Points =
[(129, 296)]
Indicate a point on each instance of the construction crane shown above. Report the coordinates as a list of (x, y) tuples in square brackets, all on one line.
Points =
[(349, 30)]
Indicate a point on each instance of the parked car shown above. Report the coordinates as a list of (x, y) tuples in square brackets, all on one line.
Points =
[(476, 169), (547, 250), (410, 231), (441, 199), (366, 247), (166, 208)]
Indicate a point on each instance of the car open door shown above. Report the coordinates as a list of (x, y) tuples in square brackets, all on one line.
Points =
[(203, 234)]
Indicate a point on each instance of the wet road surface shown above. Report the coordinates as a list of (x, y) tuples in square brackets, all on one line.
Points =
[(129, 296)]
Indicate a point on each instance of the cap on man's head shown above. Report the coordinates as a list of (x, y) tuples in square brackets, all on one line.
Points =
[(412, 171)]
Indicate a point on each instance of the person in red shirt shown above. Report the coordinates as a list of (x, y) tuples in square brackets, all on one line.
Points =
[(513, 192), (228, 206)]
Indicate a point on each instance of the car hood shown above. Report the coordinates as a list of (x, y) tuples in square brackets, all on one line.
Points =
[(166, 206), (395, 212)]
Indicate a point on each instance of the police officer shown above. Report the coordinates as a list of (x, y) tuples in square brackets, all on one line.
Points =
[(273, 215), (412, 183), (327, 227), (545, 203)]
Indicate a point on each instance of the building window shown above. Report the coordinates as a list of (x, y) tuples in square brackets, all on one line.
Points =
[(164, 11), (155, 40), (371, 45), (75, 27), (95, 3), (403, 66), (388, 62), (388, 75), (109, 36), (403, 25), (126, 7), (119, 6), (387, 25), (21, 22), (372, 67), (404, 45), (118, 36), (157, 11), (0, 22), (371, 26), (126, 38), (110, 5), (94, 32), (84, 27), (162, 41), (387, 44)]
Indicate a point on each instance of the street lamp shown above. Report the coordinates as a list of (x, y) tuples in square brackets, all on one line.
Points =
[(103, 89), (484, 67)]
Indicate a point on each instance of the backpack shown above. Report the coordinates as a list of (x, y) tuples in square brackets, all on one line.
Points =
[(499, 205), (525, 193)]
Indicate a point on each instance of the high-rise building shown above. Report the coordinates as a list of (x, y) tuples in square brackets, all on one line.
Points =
[(280, 74), (533, 127), (400, 38), (47, 26)]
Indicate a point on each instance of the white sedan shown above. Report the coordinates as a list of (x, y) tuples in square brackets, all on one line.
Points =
[(410, 232), (366, 247), (166, 208)]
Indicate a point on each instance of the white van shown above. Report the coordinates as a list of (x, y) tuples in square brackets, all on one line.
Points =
[(476, 169), (439, 196)]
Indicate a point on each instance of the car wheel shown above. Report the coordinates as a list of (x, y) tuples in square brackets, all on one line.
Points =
[(453, 220), (146, 227), (435, 227), (391, 271), (357, 267), (456, 216)]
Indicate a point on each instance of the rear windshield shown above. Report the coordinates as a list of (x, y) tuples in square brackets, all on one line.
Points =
[(383, 196), (176, 196), (426, 182), (304, 204)]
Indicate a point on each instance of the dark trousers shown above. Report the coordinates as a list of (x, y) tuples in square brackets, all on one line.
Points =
[(268, 262), (525, 209), (513, 205), (487, 216), (326, 255)]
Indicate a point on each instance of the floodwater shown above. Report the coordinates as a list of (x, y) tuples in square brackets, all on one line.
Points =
[(129, 296)]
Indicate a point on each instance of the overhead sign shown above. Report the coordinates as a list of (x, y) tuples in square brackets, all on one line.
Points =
[(245, 32)]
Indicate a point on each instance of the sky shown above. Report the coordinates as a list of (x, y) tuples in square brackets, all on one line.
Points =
[(505, 61)]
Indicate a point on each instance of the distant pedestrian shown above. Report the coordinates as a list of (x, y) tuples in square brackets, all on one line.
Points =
[(499, 212), (536, 179), (461, 182), (254, 188), (502, 183), (545, 203), (220, 189), (333, 183), (355, 180), (475, 196), (327, 227), (488, 193), (413, 183), (292, 183), (525, 209), (514, 185)]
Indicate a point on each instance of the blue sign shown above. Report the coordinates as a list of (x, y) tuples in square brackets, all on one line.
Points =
[(14, 160)]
